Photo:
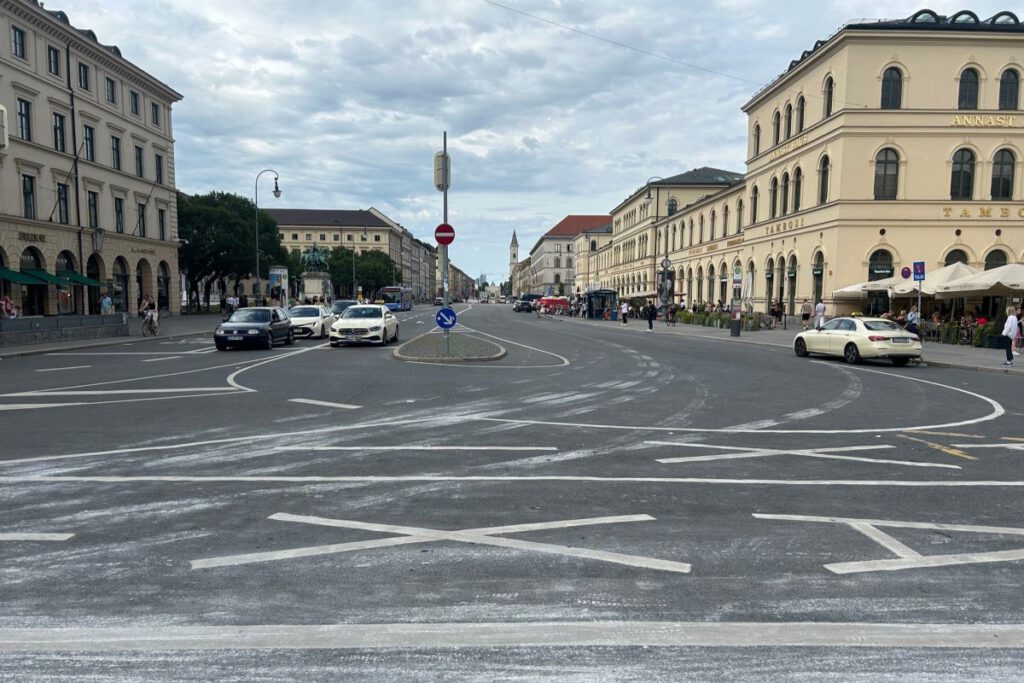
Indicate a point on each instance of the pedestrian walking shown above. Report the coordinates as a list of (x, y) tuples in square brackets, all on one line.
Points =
[(805, 313), (624, 312), (819, 314), (1020, 331), (650, 312), (671, 314), (106, 304), (1010, 331)]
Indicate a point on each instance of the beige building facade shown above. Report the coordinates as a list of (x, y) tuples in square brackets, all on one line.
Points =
[(87, 180), (888, 143)]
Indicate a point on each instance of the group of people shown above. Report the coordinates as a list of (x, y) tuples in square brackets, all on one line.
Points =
[(648, 312), (805, 314)]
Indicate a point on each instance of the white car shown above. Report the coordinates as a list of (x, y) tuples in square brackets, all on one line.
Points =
[(855, 338), (365, 323), (311, 320)]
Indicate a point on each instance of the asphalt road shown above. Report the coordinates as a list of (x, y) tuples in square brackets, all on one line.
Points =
[(601, 504)]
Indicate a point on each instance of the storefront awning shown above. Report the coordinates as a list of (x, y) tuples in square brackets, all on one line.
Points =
[(19, 278), (47, 277), (80, 279)]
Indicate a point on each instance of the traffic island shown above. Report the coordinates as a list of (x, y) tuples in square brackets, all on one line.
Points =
[(463, 347)]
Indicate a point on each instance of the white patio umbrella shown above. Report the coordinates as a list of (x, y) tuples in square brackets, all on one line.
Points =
[(1001, 281)]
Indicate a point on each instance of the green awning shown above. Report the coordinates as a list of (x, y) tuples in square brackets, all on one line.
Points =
[(47, 277), (80, 279), (19, 278)]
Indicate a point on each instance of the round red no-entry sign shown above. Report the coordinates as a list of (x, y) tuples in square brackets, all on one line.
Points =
[(444, 234)]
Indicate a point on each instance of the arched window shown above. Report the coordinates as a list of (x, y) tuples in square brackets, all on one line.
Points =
[(1009, 90), (1002, 174), (789, 121), (773, 198), (892, 88), (673, 206), (713, 226), (995, 259), (753, 205), (823, 170), (593, 245), (700, 224), (801, 109), (961, 185), (830, 87), (887, 174), (691, 232), (558, 262), (757, 139), (725, 220), (775, 129), (673, 238), (739, 215), (968, 97), (879, 265), (798, 182), (955, 256), (785, 193)]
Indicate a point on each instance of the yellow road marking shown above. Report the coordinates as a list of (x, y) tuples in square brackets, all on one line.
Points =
[(948, 450), (966, 436)]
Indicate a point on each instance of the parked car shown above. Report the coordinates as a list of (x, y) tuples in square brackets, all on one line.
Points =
[(339, 306), (855, 338), (439, 301), (255, 326), (365, 323), (311, 321)]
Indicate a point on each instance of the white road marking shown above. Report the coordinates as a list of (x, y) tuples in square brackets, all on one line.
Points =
[(33, 406), (327, 404), (417, 448), (114, 353), (413, 478), (823, 453), (479, 536), (1006, 446), (70, 367), (909, 558), (34, 537), (157, 360), (111, 392), (543, 634)]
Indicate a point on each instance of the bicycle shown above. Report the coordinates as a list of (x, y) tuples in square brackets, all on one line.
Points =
[(150, 326)]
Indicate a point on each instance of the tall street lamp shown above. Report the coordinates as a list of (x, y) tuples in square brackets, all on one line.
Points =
[(256, 201), (354, 289)]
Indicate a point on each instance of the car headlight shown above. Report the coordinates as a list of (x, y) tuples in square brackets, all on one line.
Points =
[(375, 329)]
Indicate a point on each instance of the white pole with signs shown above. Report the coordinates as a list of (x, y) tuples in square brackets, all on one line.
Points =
[(442, 181)]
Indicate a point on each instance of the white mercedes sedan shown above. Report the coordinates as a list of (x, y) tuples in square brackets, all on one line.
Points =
[(311, 320), (855, 338), (365, 323)]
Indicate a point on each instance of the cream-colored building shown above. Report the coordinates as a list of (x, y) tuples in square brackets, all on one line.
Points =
[(587, 245), (360, 231), (888, 143), (87, 195), (552, 259)]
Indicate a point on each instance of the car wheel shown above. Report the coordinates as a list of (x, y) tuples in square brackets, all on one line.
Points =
[(334, 345), (396, 334), (851, 354), (269, 341), (221, 347), (323, 331), (900, 362), (800, 347), (291, 338)]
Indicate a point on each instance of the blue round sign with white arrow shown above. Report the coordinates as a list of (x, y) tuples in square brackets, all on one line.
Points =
[(445, 318)]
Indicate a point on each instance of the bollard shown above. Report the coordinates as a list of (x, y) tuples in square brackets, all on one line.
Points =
[(734, 330)]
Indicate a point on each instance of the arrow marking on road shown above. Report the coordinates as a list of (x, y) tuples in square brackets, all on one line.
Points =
[(480, 536)]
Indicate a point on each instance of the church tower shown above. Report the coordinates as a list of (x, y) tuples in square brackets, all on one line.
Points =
[(513, 259)]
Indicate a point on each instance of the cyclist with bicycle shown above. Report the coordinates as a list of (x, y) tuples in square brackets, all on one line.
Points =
[(150, 316)]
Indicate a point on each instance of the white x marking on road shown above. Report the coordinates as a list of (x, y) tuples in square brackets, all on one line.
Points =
[(479, 536), (906, 557), (739, 452)]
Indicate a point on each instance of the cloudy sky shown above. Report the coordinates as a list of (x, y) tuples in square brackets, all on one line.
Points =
[(552, 107)]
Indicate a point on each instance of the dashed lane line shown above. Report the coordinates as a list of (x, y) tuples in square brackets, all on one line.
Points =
[(69, 367), (34, 537), (326, 404)]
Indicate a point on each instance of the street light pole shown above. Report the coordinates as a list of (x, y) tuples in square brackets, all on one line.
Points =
[(663, 292), (256, 202)]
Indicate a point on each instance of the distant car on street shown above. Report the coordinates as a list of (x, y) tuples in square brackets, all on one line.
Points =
[(439, 301), (365, 323), (526, 303), (855, 338), (311, 321), (255, 326)]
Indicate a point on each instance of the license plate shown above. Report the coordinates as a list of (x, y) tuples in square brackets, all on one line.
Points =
[(901, 340), (351, 337), (235, 337)]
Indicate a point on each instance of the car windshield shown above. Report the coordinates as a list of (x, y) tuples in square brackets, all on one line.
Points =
[(250, 315), (340, 306), (882, 326), (360, 312), (304, 312)]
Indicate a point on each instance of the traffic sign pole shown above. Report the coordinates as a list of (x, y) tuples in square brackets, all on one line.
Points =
[(443, 248)]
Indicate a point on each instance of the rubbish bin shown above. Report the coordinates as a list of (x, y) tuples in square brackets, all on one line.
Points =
[(734, 330)]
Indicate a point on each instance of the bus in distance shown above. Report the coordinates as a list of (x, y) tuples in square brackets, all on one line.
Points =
[(397, 298)]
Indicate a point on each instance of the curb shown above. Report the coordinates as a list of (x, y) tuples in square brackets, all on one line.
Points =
[(398, 355), (113, 341)]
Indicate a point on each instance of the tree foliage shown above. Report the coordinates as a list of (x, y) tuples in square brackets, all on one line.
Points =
[(374, 269), (218, 242)]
